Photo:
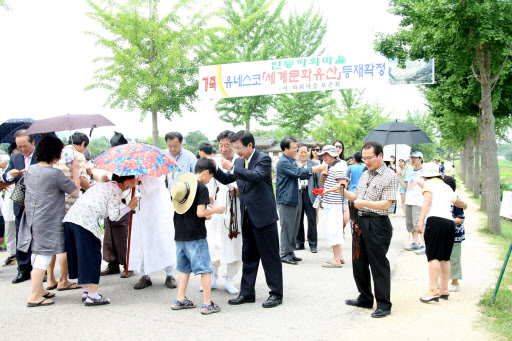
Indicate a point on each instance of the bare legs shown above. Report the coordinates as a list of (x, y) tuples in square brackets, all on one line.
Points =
[(63, 276), (402, 196), (37, 291), (434, 268)]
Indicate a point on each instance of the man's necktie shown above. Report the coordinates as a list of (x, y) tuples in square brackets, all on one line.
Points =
[(246, 164)]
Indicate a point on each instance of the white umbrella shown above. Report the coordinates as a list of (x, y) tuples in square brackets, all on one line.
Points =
[(399, 151)]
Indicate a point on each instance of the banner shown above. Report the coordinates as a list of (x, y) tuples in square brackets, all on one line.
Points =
[(301, 75)]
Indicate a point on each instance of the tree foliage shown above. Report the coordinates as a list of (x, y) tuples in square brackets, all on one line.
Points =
[(152, 62), (97, 146), (465, 37), (253, 33), (192, 140), (426, 123), (303, 36)]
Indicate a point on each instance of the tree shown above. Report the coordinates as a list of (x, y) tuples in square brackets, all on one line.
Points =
[(473, 36), (3, 4), (425, 122), (193, 139), (162, 144), (152, 65), (97, 146), (253, 34), (302, 37)]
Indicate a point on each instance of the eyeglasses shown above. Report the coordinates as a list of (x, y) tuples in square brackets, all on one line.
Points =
[(339, 146), (316, 149), (368, 158), (236, 149)]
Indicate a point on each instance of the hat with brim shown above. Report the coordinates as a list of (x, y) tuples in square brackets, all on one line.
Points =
[(183, 192), (430, 170), (331, 150)]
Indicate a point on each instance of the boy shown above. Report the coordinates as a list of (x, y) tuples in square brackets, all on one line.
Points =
[(190, 199)]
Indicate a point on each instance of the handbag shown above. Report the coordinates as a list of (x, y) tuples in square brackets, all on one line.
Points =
[(18, 194)]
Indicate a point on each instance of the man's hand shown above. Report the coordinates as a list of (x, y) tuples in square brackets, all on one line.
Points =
[(320, 168), (133, 203), (226, 164), (15, 173), (219, 209), (324, 174), (234, 191), (3, 164)]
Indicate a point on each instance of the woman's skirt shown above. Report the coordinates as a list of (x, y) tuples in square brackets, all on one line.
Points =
[(84, 254), (439, 238)]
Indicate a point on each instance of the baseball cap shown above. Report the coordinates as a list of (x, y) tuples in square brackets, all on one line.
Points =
[(417, 154)]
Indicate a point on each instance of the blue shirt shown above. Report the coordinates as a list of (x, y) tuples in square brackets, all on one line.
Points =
[(187, 163), (354, 173)]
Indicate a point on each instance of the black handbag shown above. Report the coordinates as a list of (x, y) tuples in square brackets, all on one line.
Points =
[(18, 195)]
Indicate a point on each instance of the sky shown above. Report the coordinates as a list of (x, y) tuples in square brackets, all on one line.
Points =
[(46, 61)]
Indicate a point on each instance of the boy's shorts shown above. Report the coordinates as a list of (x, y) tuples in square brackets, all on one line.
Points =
[(193, 256)]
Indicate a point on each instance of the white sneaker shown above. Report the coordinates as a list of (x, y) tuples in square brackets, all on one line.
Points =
[(231, 288), (454, 288)]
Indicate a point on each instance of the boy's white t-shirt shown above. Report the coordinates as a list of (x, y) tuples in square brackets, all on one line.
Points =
[(414, 194), (442, 198)]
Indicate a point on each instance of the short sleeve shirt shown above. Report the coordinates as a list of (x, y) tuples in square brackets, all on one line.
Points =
[(442, 198), (82, 172), (354, 174), (460, 233), (414, 194), (381, 184), (335, 172), (188, 226)]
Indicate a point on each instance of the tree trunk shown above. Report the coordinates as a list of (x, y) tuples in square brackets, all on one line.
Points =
[(154, 119), (470, 163), (248, 124), (491, 176), (462, 167), (476, 180), (300, 130)]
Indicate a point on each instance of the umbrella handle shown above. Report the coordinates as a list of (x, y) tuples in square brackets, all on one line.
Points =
[(129, 237)]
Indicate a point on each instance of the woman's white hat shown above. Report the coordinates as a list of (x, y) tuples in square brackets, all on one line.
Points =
[(331, 150), (430, 170)]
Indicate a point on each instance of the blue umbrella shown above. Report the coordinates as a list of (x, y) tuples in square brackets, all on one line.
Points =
[(11, 126)]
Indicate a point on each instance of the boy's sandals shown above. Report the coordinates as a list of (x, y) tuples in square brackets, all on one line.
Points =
[(89, 302), (331, 264), (185, 304), (212, 308)]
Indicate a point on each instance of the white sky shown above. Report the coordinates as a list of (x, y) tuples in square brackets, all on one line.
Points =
[(46, 62)]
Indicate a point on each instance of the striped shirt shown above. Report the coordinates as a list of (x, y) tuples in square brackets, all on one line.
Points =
[(381, 184), (336, 172), (82, 172)]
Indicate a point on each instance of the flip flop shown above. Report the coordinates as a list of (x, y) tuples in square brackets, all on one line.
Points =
[(330, 264), (52, 287), (40, 304), (69, 287), (49, 295)]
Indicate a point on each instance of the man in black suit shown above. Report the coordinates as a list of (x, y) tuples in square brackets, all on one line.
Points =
[(17, 167), (253, 175)]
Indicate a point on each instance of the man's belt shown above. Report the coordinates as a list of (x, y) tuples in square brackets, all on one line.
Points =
[(370, 214)]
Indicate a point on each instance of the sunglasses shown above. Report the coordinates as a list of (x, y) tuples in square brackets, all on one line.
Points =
[(316, 149), (339, 147)]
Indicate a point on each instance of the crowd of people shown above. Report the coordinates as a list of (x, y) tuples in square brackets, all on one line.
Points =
[(220, 211)]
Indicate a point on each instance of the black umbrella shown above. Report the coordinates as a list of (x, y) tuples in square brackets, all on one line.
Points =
[(397, 133), (11, 126)]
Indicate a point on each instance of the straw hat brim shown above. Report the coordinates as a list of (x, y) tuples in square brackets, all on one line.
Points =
[(191, 179)]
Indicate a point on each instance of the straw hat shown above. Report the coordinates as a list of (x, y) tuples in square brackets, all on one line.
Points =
[(331, 150), (183, 192), (429, 170)]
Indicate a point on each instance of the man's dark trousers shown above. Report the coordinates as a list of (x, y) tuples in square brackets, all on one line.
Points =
[(22, 258), (260, 243), (311, 214), (374, 244)]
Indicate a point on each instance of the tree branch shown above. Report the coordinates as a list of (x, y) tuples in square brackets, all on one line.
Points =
[(481, 64), (494, 79), (478, 78)]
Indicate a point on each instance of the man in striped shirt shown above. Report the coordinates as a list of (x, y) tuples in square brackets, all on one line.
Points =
[(375, 199)]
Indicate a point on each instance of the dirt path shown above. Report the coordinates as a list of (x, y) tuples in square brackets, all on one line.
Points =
[(455, 319)]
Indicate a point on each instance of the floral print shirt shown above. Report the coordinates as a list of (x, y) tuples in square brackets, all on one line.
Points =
[(98, 202)]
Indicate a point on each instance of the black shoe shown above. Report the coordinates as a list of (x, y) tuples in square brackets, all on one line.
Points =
[(289, 260), (357, 303), (242, 299), (297, 259), (380, 313), (313, 249), (21, 278), (299, 246), (10, 260), (272, 301)]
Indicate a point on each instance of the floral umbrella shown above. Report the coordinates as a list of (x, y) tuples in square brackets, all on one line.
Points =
[(136, 159)]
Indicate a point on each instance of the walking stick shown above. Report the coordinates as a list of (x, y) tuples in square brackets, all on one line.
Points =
[(129, 237)]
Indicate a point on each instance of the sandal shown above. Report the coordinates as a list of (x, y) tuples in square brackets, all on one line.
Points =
[(39, 304), (212, 308), (96, 301), (49, 295), (185, 304), (86, 293), (330, 264), (69, 287)]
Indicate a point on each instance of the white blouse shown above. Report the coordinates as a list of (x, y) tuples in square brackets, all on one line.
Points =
[(98, 202)]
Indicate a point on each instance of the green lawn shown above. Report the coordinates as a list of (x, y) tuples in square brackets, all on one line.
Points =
[(505, 164)]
